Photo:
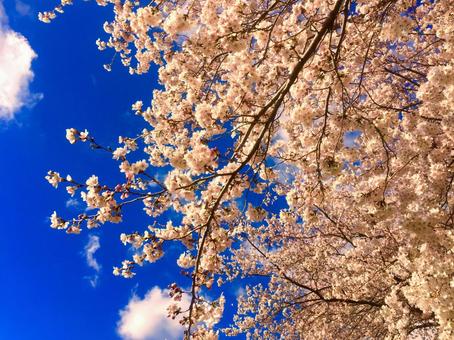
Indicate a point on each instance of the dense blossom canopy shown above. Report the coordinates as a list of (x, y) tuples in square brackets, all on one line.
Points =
[(310, 143)]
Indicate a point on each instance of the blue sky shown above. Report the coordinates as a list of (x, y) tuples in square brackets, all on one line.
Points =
[(45, 276)]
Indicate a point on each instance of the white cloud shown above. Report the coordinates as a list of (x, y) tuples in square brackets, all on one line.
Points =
[(93, 280), (72, 203), (90, 249), (240, 291), (146, 319), (16, 56)]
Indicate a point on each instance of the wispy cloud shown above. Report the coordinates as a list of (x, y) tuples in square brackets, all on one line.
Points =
[(73, 203), (90, 249), (240, 291), (23, 9), (146, 319), (16, 57)]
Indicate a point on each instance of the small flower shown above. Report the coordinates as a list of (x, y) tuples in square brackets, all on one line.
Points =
[(255, 214), (137, 106), (84, 135), (138, 259), (57, 222), (124, 238), (185, 261), (54, 220), (101, 44), (92, 181), (54, 178), (72, 135), (127, 274), (71, 190), (139, 166), (46, 17), (74, 229), (119, 153)]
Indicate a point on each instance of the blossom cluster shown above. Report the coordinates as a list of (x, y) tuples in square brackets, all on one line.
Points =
[(252, 131)]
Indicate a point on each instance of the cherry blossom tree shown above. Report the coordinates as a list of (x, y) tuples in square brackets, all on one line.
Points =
[(310, 144)]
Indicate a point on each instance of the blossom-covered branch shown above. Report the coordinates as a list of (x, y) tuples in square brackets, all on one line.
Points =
[(307, 144)]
